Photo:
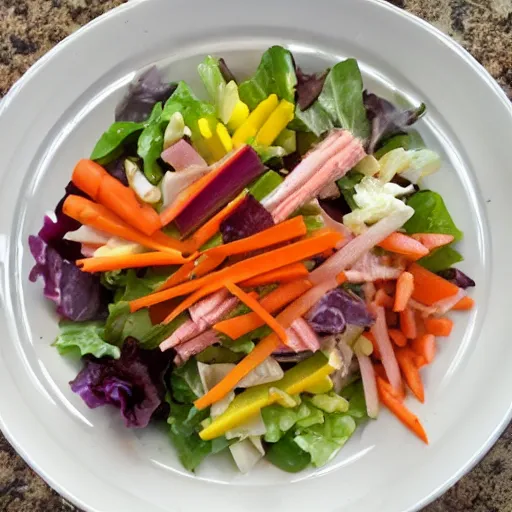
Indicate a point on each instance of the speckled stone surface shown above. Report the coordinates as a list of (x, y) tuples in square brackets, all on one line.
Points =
[(29, 28)]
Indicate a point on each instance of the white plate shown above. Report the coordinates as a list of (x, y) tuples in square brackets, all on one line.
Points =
[(54, 115)]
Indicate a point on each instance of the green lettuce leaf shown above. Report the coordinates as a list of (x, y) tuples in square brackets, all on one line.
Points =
[(287, 455), (410, 140), (278, 420), (432, 216), (151, 145), (185, 383), (275, 74), (81, 338), (314, 119), (354, 393), (347, 187), (211, 76), (110, 145)]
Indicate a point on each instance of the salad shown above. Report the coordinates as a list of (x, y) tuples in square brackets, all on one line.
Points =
[(260, 270)]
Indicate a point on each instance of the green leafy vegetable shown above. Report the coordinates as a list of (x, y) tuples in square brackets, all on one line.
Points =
[(212, 78), (186, 384), (83, 338), (347, 187), (275, 74), (287, 455), (432, 216), (278, 420), (151, 145), (265, 184), (342, 98), (324, 441), (111, 142), (216, 355), (354, 393), (408, 141), (192, 109), (314, 119)]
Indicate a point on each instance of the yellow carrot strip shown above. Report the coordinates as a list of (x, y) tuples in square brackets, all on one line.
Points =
[(275, 300), (262, 350), (281, 275), (146, 259), (99, 217), (246, 269), (259, 310)]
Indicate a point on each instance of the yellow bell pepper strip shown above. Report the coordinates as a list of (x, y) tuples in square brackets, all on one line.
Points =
[(276, 123), (238, 116), (224, 137), (212, 141), (322, 386), (255, 120), (245, 405)]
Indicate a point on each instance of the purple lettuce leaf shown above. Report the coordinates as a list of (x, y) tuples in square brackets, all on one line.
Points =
[(335, 310), (78, 295), (117, 170), (457, 277), (147, 90), (309, 87), (387, 119), (226, 72), (249, 218), (134, 383)]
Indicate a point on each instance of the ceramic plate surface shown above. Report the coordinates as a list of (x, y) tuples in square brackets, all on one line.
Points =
[(53, 117)]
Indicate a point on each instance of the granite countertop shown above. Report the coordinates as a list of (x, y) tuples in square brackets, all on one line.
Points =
[(29, 28)]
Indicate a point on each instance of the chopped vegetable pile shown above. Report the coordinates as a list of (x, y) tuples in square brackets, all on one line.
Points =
[(260, 270)]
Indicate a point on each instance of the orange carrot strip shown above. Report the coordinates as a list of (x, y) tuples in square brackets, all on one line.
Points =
[(275, 300), (425, 346), (180, 276), (259, 310), (464, 304), (383, 299), (406, 361), (262, 350), (403, 244), (212, 227), (429, 287), (98, 216), (404, 289), (420, 324), (400, 411), (281, 275), (283, 232), (433, 240), (98, 184), (147, 259), (408, 323), (398, 337), (439, 326), (246, 269)]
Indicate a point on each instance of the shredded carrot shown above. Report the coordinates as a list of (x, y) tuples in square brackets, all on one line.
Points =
[(404, 290), (212, 227), (102, 187), (380, 373), (404, 244), (245, 269), (464, 304), (186, 196), (146, 259), (397, 337), (400, 411), (439, 326), (283, 232), (275, 300), (429, 287), (259, 310), (433, 240), (99, 217), (383, 299), (420, 324), (180, 276), (284, 274), (341, 278), (406, 361), (425, 346), (408, 323), (262, 350)]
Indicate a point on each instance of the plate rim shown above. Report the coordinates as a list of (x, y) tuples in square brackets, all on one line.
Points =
[(447, 41)]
